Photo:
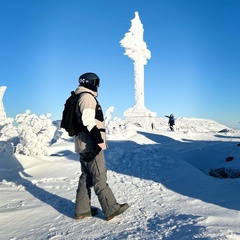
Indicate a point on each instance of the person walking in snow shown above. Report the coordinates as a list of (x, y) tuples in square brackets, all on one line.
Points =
[(90, 144), (171, 121)]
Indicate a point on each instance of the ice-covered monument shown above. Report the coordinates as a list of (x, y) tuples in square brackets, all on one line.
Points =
[(3, 115), (136, 49)]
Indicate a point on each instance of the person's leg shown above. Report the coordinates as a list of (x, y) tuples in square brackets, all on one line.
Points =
[(83, 195), (97, 169)]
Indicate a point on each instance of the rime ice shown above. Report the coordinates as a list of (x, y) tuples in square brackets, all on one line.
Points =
[(2, 111), (136, 49)]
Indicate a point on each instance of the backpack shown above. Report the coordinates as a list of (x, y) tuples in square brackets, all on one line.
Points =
[(70, 121)]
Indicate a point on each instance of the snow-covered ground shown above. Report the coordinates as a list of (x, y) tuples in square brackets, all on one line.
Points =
[(163, 175)]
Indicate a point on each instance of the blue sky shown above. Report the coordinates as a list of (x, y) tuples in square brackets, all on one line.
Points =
[(194, 70)]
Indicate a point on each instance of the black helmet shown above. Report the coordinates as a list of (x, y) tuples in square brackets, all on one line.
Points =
[(89, 80)]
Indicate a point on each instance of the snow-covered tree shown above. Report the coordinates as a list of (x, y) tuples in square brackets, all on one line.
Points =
[(35, 134), (108, 115), (115, 125)]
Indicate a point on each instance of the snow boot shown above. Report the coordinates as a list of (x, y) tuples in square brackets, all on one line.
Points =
[(93, 212), (123, 207)]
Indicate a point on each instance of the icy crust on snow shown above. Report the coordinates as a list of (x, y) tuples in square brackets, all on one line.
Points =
[(120, 128), (183, 124), (170, 197)]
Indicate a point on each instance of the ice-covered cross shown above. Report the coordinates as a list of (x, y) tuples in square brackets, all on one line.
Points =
[(136, 49)]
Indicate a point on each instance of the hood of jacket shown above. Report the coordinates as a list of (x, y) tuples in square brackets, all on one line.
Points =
[(81, 89)]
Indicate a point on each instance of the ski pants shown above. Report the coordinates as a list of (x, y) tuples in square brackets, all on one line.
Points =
[(94, 174)]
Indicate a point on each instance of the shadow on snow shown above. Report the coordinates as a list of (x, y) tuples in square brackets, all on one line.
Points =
[(163, 162), (11, 171), (166, 162)]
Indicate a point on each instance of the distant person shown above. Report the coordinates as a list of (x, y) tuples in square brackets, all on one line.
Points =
[(171, 121), (90, 144)]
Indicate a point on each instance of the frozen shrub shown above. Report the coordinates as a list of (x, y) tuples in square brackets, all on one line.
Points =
[(113, 126), (35, 134)]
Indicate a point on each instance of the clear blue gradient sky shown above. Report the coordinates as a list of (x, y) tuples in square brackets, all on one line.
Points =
[(194, 70)]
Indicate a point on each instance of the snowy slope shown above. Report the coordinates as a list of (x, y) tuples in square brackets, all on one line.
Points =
[(163, 175)]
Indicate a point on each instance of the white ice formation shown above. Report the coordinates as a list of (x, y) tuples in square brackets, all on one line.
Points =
[(2, 110), (136, 49)]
